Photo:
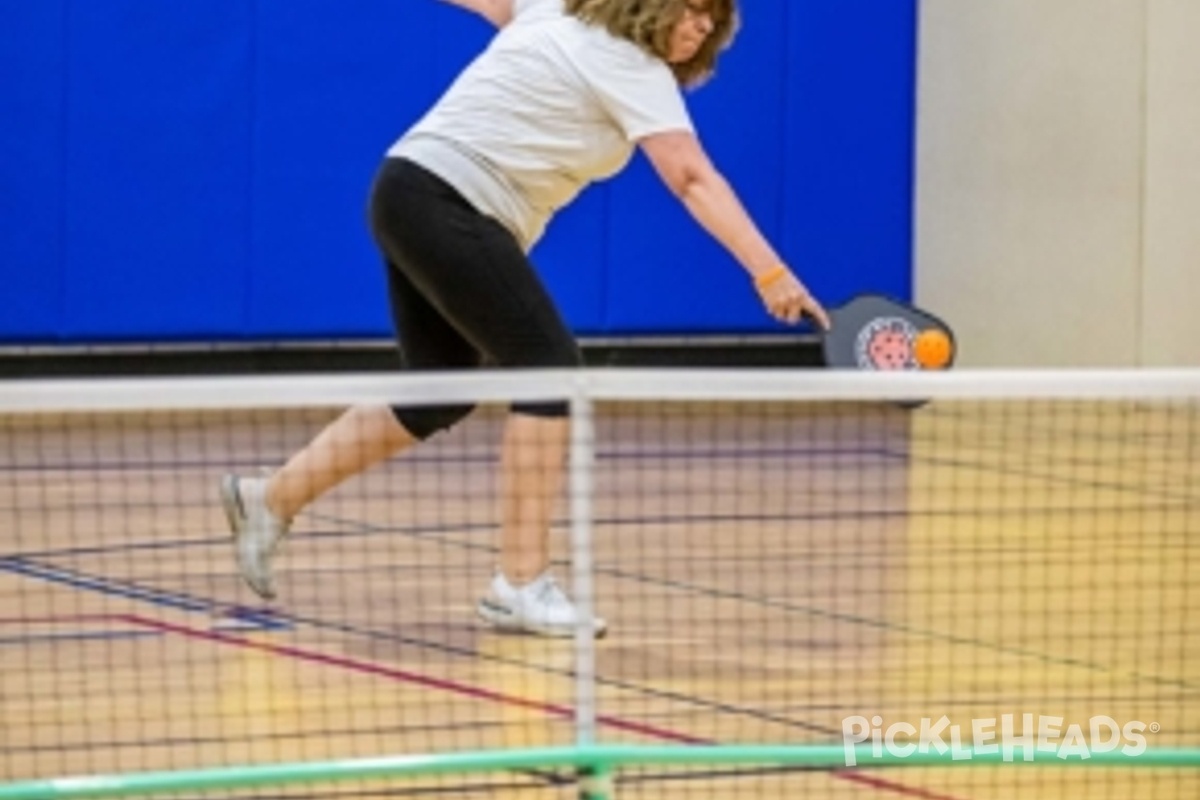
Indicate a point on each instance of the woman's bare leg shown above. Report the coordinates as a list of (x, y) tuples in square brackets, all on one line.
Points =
[(533, 460), (358, 439), (260, 510), (533, 463)]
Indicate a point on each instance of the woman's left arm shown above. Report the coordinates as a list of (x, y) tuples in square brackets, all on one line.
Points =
[(685, 168)]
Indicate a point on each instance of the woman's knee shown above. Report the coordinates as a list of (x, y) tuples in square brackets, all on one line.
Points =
[(424, 421)]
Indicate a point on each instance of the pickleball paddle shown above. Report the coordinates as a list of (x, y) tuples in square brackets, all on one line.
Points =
[(876, 332)]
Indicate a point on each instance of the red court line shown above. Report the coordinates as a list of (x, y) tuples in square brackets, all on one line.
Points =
[(367, 668), (479, 693)]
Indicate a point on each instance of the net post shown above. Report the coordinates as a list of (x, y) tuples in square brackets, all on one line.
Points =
[(582, 456)]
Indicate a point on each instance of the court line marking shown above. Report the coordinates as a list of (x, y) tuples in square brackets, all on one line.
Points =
[(816, 611), (34, 638), (884, 452), (253, 619), (206, 606), (489, 695), (20, 564), (650, 731), (424, 531), (606, 454), (68, 619), (700, 703), (1184, 500), (268, 619)]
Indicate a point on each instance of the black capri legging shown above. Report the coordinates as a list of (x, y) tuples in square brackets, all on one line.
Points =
[(462, 291)]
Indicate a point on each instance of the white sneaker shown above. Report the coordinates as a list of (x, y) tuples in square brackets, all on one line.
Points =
[(256, 530), (539, 606)]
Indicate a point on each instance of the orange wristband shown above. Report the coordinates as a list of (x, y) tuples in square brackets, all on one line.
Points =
[(770, 276)]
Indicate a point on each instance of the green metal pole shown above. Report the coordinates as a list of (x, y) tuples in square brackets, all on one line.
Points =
[(602, 761)]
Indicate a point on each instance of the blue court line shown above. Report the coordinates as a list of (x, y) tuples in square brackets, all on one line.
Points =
[(260, 620), (20, 566), (38, 638)]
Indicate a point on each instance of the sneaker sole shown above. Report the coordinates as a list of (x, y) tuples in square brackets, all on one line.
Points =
[(231, 501), (235, 515), (502, 620)]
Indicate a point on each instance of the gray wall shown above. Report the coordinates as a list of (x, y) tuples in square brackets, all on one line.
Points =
[(1058, 190)]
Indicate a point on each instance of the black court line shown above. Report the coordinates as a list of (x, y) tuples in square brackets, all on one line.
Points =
[(863, 779), (484, 694), (183, 602), (1184, 500), (426, 531), (816, 611), (1034, 424), (284, 621), (282, 738), (1042, 434), (883, 453)]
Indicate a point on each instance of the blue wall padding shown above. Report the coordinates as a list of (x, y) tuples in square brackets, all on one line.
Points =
[(199, 171), (158, 203), (847, 204), (33, 74)]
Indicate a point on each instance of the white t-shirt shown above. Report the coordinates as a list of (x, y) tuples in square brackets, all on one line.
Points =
[(550, 106)]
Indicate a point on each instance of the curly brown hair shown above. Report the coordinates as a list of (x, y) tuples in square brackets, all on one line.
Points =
[(648, 24)]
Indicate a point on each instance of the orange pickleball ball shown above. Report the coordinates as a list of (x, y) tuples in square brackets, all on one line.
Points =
[(932, 349)]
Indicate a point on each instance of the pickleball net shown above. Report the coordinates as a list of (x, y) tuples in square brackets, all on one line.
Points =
[(812, 589)]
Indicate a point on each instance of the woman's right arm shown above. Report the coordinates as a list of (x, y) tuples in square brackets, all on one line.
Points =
[(497, 12)]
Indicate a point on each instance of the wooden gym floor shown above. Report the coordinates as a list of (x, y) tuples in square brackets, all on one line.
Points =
[(767, 571)]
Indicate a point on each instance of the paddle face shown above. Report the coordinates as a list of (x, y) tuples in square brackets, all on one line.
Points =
[(874, 332)]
